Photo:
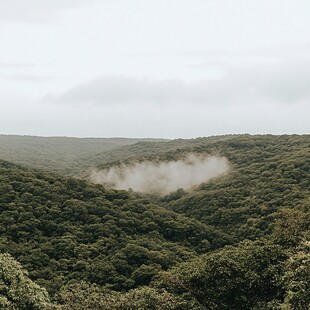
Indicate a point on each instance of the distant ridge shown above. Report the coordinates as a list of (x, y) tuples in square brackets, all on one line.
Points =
[(64, 155)]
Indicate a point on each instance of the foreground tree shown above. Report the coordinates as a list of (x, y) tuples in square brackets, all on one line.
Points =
[(83, 296), (243, 277), (17, 291)]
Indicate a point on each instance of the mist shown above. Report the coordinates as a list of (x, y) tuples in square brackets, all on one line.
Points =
[(162, 177)]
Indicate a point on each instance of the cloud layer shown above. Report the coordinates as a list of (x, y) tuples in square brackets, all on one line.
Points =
[(284, 83), (163, 177), (36, 10), (109, 68)]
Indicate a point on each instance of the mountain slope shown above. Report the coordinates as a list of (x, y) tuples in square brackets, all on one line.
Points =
[(69, 233), (62, 229), (267, 173), (66, 156)]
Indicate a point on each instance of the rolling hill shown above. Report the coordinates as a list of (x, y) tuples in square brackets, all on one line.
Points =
[(239, 241), (64, 155)]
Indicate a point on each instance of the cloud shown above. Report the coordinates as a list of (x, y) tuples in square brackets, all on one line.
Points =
[(27, 78), (36, 10), (16, 65), (283, 83), (128, 90), (163, 177), (288, 84)]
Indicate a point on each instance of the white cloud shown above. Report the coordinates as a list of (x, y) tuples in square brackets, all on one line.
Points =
[(36, 10), (163, 177), (281, 83), (28, 78), (4, 65)]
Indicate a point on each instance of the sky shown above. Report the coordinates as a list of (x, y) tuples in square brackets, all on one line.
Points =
[(154, 68)]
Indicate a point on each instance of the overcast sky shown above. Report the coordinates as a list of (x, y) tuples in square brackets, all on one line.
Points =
[(154, 68)]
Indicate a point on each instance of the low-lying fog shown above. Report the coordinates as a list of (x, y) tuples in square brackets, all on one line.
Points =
[(162, 177)]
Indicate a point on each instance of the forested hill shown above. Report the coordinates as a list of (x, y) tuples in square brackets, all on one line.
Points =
[(232, 146), (96, 248), (267, 173), (64, 155), (149, 150), (62, 229)]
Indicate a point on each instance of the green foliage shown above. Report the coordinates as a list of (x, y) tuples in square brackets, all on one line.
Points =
[(264, 274), (64, 229), (292, 232), (233, 278), (80, 296), (105, 249), (293, 225), (267, 174), (66, 156), (17, 291), (146, 298), (297, 279)]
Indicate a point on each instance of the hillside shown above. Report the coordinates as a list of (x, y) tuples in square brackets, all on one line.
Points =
[(267, 173), (66, 156), (145, 150), (62, 229), (239, 241)]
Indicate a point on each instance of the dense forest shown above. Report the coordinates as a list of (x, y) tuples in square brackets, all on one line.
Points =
[(64, 155), (239, 241)]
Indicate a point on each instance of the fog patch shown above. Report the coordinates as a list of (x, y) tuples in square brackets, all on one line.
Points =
[(162, 177)]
